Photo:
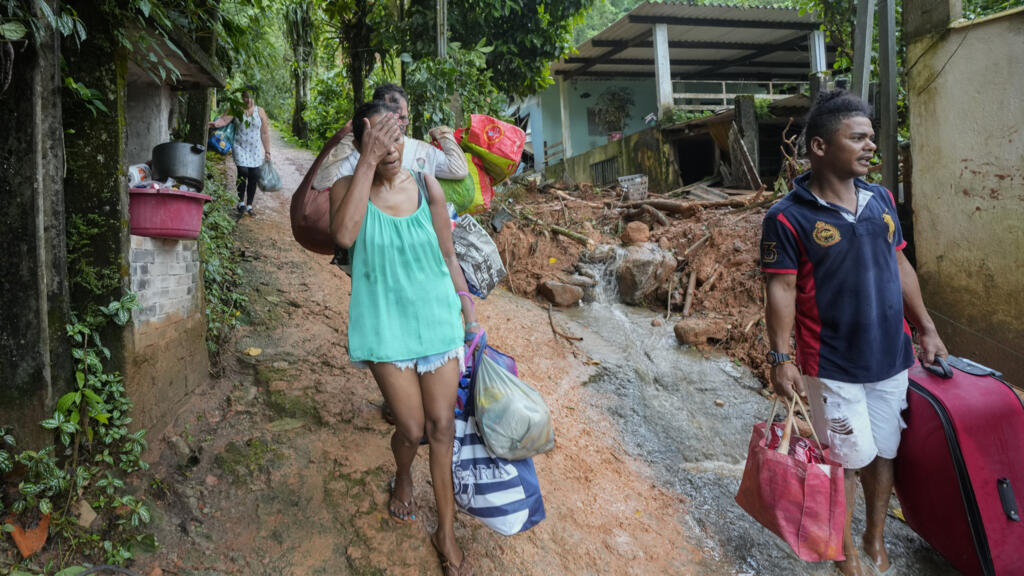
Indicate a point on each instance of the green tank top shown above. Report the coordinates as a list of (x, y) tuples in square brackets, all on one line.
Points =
[(403, 303)]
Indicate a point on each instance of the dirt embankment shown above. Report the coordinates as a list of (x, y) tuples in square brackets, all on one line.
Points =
[(718, 244)]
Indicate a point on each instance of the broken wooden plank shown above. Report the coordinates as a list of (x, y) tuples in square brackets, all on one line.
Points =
[(574, 236), (741, 158), (689, 293)]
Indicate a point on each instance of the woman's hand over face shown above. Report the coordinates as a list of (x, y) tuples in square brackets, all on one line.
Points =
[(380, 138)]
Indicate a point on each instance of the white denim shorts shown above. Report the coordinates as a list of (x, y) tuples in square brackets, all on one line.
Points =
[(428, 364), (858, 421)]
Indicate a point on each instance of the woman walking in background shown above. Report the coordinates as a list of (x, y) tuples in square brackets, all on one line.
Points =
[(407, 293), (251, 148)]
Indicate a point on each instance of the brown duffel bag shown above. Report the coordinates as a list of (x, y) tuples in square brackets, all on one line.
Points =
[(311, 209)]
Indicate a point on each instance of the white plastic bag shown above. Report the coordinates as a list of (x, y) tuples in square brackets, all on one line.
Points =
[(512, 417)]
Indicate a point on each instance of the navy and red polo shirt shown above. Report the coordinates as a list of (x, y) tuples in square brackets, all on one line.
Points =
[(849, 303)]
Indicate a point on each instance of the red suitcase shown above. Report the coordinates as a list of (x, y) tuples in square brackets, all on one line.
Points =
[(960, 460)]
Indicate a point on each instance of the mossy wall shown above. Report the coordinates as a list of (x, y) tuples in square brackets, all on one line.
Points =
[(645, 152), (95, 181), (35, 363)]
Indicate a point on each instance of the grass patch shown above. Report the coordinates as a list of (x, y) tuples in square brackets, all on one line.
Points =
[(284, 405), (243, 461), (266, 374)]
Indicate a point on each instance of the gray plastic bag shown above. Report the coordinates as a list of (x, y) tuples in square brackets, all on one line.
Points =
[(513, 419), (269, 179), (478, 256)]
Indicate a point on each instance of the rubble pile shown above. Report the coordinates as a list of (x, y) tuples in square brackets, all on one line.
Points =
[(691, 255)]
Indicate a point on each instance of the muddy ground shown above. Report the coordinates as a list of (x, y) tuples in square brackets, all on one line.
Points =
[(288, 457), (292, 461)]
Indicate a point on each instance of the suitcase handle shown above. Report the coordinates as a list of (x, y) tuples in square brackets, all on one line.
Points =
[(1007, 498), (940, 368)]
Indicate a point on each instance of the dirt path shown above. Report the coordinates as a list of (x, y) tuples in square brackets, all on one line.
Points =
[(291, 457)]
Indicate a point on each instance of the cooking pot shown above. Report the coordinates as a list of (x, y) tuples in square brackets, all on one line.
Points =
[(182, 161)]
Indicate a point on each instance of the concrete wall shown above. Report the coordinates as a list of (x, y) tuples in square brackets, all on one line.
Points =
[(35, 359), (582, 140), (645, 102), (166, 350), (645, 152), (147, 119), (967, 140)]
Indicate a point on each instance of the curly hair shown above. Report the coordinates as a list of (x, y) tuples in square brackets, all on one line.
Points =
[(829, 111)]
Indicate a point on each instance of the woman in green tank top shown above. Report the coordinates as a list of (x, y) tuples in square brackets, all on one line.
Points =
[(407, 293)]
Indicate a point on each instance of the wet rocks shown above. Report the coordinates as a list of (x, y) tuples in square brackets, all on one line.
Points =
[(559, 294), (643, 269), (636, 233), (581, 281), (600, 253), (700, 330)]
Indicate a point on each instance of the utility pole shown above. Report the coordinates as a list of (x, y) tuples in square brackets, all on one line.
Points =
[(442, 29)]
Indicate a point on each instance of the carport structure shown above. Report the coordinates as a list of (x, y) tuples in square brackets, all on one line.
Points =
[(675, 41)]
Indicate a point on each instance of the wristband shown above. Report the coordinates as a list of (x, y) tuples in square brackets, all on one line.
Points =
[(472, 325)]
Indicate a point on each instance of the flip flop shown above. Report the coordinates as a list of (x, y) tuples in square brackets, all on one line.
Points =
[(450, 569), (867, 560), (409, 507)]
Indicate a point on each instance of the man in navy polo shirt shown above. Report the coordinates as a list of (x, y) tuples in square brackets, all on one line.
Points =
[(832, 254)]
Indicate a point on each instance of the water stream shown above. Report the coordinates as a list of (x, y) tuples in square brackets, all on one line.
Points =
[(690, 416)]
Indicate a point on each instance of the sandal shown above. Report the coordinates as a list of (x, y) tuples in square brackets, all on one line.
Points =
[(449, 567), (406, 511)]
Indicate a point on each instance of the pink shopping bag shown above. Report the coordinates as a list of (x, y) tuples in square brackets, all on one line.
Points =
[(799, 501)]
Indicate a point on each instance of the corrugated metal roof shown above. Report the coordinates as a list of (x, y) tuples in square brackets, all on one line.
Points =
[(701, 37)]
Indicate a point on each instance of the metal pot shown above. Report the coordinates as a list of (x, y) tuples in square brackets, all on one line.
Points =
[(182, 161)]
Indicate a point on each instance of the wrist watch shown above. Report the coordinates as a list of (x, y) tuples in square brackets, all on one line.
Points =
[(777, 358)]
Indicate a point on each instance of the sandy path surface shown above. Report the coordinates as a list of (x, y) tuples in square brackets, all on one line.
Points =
[(291, 456)]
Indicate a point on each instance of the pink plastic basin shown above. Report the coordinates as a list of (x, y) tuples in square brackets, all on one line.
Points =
[(166, 213)]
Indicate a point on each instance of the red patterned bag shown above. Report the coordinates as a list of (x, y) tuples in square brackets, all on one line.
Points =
[(498, 144), (801, 502)]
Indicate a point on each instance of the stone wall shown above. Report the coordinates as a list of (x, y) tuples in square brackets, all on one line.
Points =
[(967, 139), (166, 355)]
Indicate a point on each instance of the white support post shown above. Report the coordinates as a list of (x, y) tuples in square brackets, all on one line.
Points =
[(863, 34), (663, 71), (537, 136), (816, 46), (563, 98)]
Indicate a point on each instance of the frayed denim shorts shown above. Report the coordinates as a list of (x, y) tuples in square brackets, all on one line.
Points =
[(429, 363)]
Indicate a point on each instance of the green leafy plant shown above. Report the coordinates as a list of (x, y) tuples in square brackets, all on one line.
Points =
[(432, 82), (43, 480), (679, 116), (95, 451), (330, 106), (762, 108), (93, 99), (222, 278)]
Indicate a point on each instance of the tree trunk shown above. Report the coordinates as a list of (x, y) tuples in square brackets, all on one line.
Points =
[(300, 129)]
